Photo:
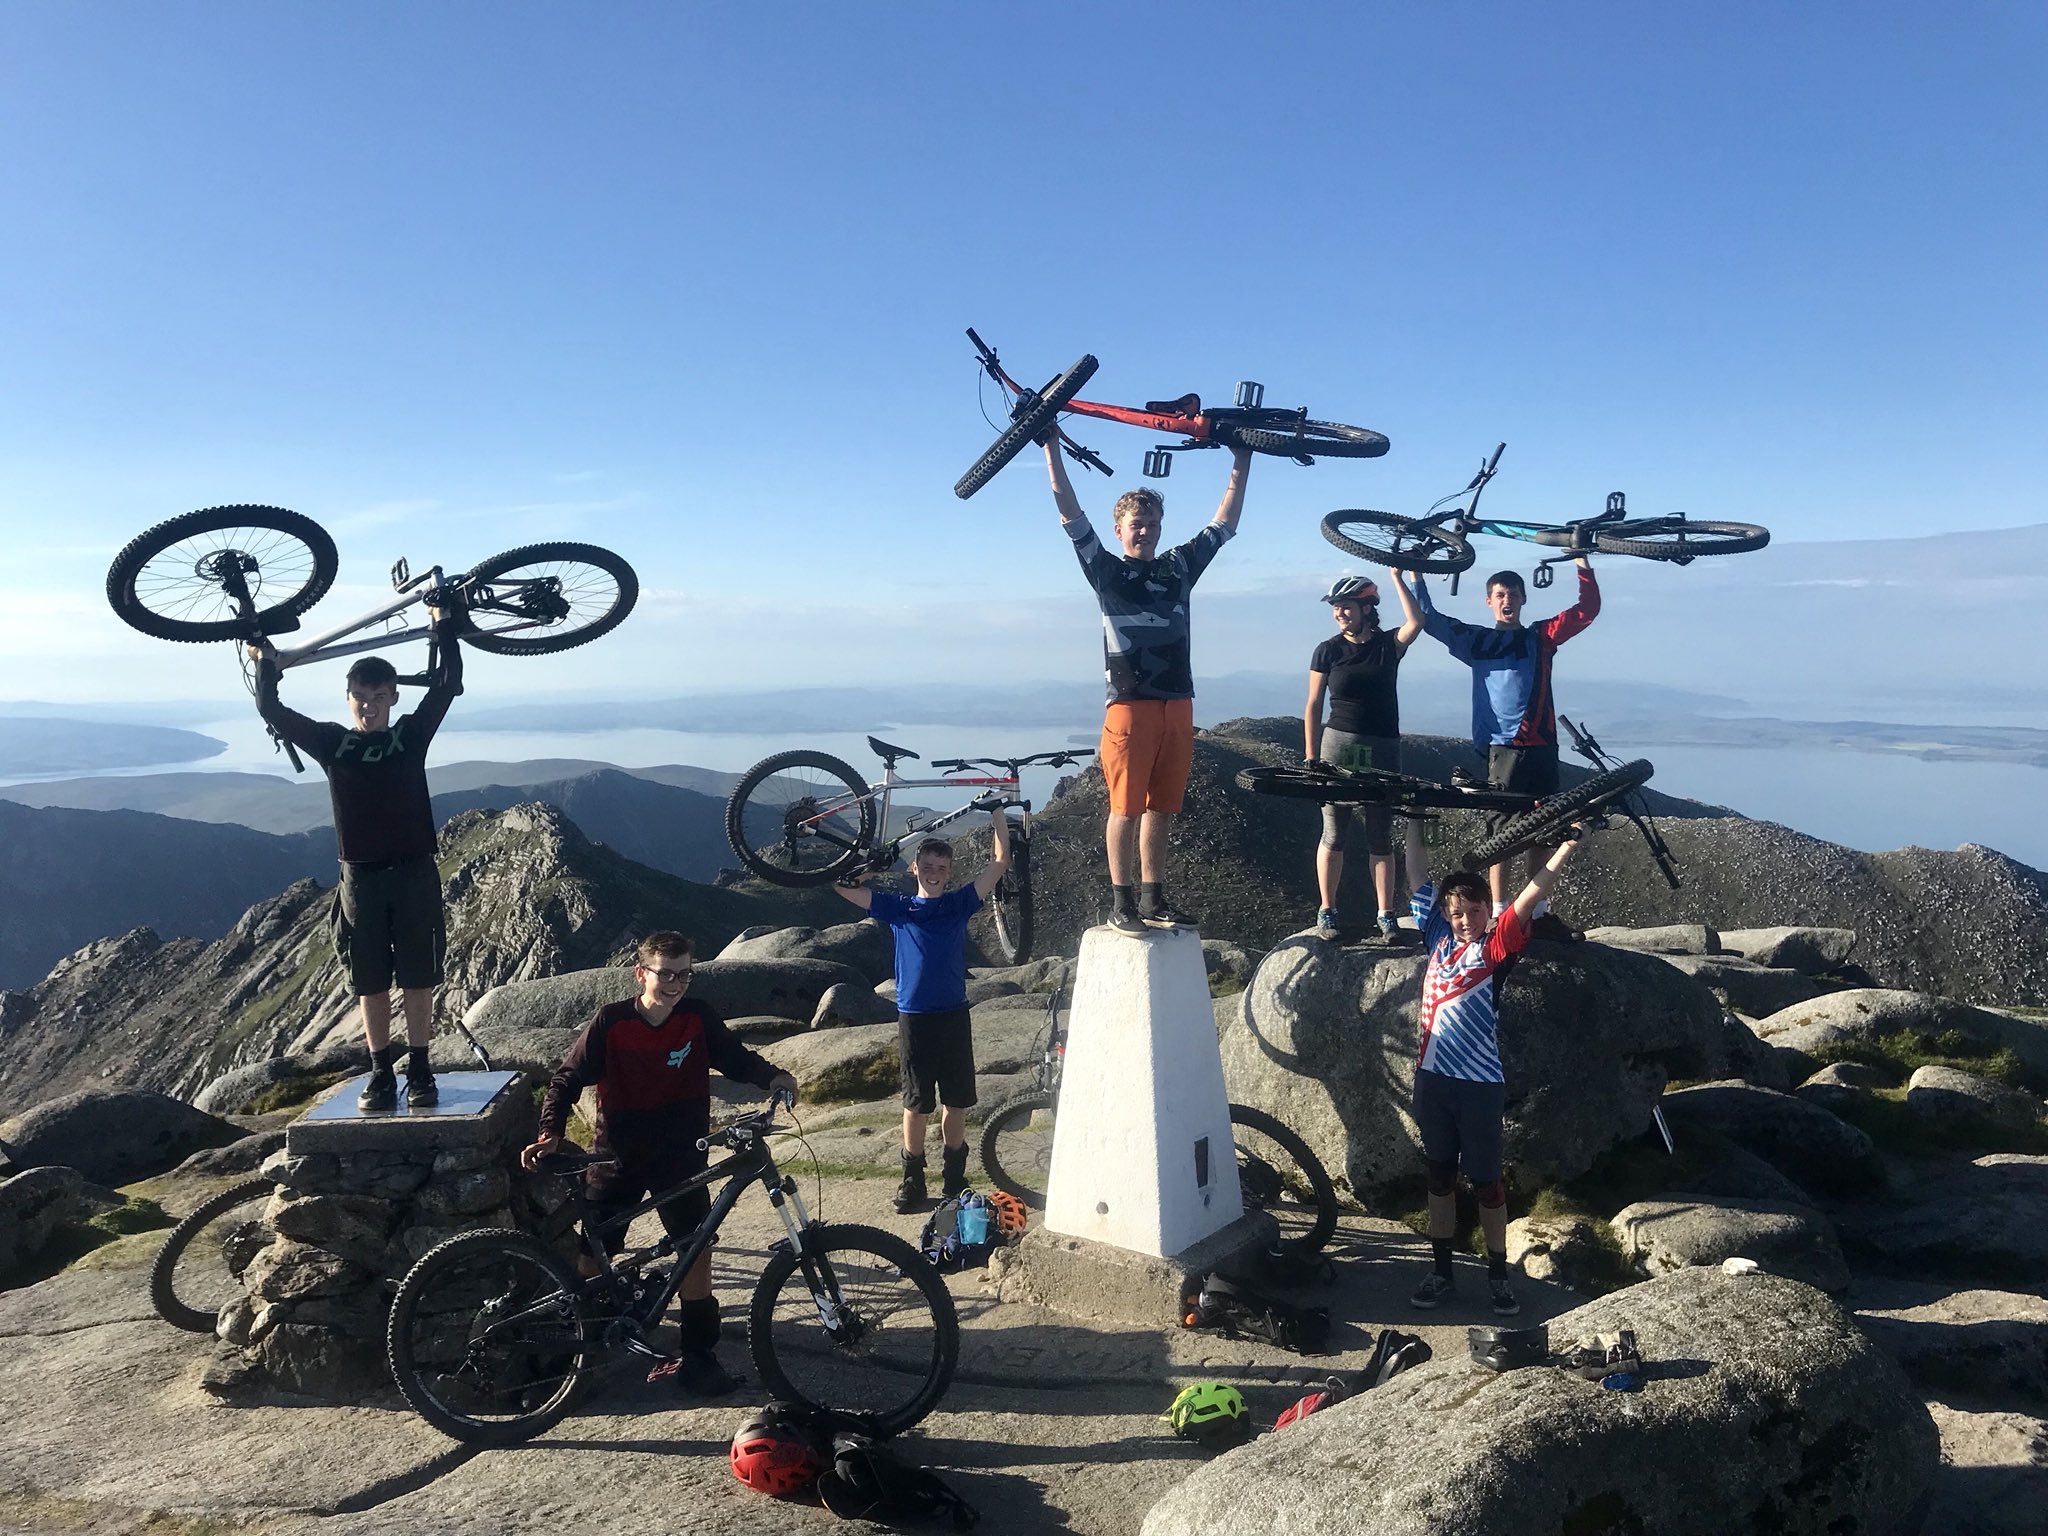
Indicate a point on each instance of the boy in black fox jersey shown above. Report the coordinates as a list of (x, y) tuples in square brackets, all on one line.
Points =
[(650, 1059), (388, 920)]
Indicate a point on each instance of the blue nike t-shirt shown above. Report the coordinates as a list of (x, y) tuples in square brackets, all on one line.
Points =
[(931, 946)]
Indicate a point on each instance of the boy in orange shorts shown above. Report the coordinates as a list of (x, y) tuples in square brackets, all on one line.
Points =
[(1148, 733)]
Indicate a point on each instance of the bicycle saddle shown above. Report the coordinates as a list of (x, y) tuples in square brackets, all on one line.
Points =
[(1186, 405), (889, 754)]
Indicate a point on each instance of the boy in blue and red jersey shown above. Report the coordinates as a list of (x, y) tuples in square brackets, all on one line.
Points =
[(650, 1059), (1514, 718), (1460, 1090)]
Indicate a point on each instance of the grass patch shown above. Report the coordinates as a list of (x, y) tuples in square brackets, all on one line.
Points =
[(1884, 1117), (134, 1214), (1900, 1054), (1223, 984), (832, 1168), (857, 1082), (73, 1241), (292, 1093)]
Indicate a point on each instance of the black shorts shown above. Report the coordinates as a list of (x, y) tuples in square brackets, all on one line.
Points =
[(389, 926), (936, 1051), (612, 1190), (1527, 770), (1460, 1122)]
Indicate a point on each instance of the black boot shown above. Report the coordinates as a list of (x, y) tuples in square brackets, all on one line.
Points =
[(954, 1163), (910, 1194), (698, 1372)]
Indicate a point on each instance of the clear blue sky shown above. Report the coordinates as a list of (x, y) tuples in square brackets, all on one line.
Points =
[(690, 281)]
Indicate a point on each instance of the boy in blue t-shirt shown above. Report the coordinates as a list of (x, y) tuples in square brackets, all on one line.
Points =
[(934, 1026)]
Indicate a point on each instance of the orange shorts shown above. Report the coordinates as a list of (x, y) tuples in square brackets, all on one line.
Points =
[(1147, 747)]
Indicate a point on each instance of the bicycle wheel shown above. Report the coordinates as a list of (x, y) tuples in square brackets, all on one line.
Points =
[(1278, 1174), (199, 1268), (1330, 788), (1402, 542), (487, 1339), (171, 582), (1016, 1146), (862, 1325), (1028, 428), (1010, 902), (546, 597), (1680, 539), (1313, 439), (1552, 816), (817, 815)]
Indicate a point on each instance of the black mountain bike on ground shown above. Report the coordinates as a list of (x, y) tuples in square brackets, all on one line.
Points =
[(1531, 822), (806, 818), (199, 1268), (493, 1334), (1437, 542), (1276, 1171)]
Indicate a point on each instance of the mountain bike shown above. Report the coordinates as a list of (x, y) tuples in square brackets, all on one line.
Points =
[(1436, 543), (1250, 423), (199, 1268), (493, 1336), (247, 574), (806, 818), (1532, 821), (1276, 1171)]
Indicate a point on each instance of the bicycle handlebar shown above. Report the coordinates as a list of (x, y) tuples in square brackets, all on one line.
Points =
[(1059, 759)]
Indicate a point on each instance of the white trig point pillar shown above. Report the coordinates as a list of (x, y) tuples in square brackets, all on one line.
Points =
[(1142, 1156)]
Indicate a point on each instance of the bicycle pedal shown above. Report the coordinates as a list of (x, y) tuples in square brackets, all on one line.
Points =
[(1158, 462)]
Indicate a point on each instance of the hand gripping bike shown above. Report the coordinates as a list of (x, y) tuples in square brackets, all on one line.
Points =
[(494, 1334), (806, 818), (1250, 423), (1438, 541)]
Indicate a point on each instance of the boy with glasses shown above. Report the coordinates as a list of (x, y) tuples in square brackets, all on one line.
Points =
[(650, 1059)]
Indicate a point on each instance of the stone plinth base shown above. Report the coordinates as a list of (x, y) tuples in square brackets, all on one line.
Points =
[(1107, 1284)]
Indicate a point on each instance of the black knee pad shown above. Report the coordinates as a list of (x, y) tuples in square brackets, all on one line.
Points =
[(1443, 1179), (1492, 1194)]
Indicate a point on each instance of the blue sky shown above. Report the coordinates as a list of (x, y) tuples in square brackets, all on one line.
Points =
[(689, 281)]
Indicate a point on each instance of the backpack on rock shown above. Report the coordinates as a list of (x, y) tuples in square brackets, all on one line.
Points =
[(866, 1482), (963, 1232)]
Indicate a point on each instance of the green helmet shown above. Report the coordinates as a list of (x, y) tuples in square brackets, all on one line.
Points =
[(1210, 1413)]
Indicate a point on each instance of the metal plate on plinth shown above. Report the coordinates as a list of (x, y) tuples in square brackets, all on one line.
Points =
[(462, 1093), (475, 1108)]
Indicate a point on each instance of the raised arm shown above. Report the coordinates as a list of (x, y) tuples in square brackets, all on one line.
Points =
[(1232, 506), (854, 888), (307, 735), (1581, 613), (1062, 488), (1540, 883), (1411, 613), (993, 871)]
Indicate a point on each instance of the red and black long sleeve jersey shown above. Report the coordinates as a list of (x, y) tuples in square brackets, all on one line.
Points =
[(653, 1081)]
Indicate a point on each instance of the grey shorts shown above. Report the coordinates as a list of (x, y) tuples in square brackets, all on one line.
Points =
[(1348, 751), (388, 925), (1529, 770), (1460, 1122)]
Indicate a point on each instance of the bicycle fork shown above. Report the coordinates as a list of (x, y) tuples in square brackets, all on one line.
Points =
[(842, 1324)]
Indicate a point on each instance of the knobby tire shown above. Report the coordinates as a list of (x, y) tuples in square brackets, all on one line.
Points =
[(805, 861), (1010, 902), (1688, 541), (197, 1266), (1400, 542), (156, 586), (1316, 439), (1028, 428), (1541, 825), (599, 587)]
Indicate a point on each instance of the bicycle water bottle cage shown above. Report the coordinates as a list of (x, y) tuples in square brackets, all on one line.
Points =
[(401, 573), (1250, 396), (1158, 462), (1186, 405)]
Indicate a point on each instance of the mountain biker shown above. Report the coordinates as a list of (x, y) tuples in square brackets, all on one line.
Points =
[(387, 917), (1514, 720), (1355, 670), (1148, 729), (650, 1059), (1460, 1094), (934, 1023)]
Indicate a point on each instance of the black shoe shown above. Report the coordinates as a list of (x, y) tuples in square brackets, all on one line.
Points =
[(954, 1179), (1124, 920), (699, 1374), (380, 1094), (1502, 1296), (910, 1194), (1434, 1291), (421, 1091), (1164, 914), (1550, 926)]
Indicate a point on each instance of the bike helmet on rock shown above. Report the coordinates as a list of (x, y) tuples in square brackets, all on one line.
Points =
[(1211, 1414), (771, 1454), (1352, 589), (1504, 1349), (1333, 1391)]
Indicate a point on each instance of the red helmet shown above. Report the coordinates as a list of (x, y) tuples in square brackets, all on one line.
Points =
[(1334, 1391), (772, 1456)]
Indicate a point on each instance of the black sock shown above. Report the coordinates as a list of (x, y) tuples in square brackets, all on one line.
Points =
[(1440, 1255), (416, 1062), (1496, 1265), (1152, 895), (1125, 898), (698, 1323), (380, 1061)]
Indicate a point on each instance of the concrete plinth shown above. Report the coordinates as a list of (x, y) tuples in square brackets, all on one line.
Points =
[(1114, 1285), (1142, 1156)]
